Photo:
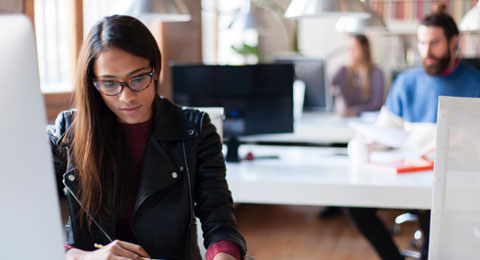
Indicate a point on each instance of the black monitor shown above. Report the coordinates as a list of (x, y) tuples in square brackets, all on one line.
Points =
[(312, 72), (474, 62), (257, 99)]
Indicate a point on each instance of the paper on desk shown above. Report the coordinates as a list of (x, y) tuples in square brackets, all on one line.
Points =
[(389, 136), (369, 116), (392, 155)]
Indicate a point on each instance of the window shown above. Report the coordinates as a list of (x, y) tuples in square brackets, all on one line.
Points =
[(53, 33), (218, 38), (93, 10)]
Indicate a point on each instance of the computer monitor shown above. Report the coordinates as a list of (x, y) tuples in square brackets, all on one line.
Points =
[(474, 62), (258, 99), (312, 72), (30, 221)]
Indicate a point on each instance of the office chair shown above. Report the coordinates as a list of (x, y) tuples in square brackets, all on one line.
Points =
[(417, 236), (404, 218)]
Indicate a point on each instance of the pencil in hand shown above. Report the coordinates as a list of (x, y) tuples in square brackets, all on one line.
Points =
[(101, 246)]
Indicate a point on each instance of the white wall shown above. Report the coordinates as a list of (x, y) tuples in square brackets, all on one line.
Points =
[(317, 38)]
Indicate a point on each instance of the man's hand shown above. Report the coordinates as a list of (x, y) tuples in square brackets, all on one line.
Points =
[(223, 256), (115, 250)]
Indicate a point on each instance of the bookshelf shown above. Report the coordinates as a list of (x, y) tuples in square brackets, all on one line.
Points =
[(417, 9)]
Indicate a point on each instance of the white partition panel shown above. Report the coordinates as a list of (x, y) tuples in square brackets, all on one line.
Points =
[(455, 224)]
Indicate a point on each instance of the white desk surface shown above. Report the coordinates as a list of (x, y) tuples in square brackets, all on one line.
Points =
[(312, 128), (320, 176)]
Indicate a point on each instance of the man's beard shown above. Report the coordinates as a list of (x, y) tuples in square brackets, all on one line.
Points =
[(438, 66)]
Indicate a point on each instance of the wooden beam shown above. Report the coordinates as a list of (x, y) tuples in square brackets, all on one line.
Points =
[(28, 9), (77, 31), (180, 42), (55, 103)]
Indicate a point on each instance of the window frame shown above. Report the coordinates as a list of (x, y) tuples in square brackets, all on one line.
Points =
[(58, 101)]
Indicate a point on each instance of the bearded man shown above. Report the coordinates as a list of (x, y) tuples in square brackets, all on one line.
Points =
[(412, 105)]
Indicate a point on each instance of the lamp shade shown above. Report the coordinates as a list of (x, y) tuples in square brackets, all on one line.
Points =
[(319, 8), (248, 18), (163, 10), (349, 24), (471, 21)]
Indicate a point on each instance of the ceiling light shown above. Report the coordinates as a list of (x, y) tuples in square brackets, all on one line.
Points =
[(163, 10), (326, 8)]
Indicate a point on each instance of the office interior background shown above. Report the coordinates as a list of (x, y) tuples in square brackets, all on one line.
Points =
[(249, 32)]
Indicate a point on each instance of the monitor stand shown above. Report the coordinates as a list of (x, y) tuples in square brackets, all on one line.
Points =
[(232, 149)]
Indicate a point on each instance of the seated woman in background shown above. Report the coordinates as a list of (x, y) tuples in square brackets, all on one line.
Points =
[(359, 86), (136, 168)]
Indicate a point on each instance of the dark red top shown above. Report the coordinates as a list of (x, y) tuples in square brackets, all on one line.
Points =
[(136, 136)]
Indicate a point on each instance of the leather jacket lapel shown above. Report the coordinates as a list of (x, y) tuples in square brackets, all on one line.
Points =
[(158, 172), (170, 122)]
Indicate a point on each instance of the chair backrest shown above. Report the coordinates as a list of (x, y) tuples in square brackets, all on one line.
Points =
[(455, 222)]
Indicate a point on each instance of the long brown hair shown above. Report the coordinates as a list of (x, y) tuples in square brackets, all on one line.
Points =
[(363, 68), (98, 147)]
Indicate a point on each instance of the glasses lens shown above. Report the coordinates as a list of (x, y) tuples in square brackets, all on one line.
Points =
[(113, 88), (109, 87), (140, 82)]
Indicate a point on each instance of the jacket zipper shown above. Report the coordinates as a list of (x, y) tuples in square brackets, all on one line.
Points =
[(88, 214), (187, 169)]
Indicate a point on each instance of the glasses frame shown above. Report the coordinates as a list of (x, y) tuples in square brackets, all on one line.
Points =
[(125, 84)]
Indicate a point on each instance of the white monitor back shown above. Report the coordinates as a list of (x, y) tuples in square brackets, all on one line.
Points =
[(455, 222), (30, 220), (216, 115)]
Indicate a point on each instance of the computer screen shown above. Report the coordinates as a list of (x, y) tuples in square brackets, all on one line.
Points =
[(30, 220), (258, 99), (312, 72), (474, 62)]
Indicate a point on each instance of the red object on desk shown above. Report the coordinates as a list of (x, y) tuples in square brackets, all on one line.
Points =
[(249, 157), (406, 165)]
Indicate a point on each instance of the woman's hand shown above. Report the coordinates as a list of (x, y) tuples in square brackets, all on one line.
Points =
[(115, 250), (223, 256)]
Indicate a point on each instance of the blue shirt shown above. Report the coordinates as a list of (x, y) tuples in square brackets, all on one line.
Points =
[(414, 94)]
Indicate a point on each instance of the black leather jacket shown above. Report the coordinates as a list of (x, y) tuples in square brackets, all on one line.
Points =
[(183, 171)]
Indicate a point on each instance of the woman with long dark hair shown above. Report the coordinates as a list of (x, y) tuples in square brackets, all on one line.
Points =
[(137, 170), (359, 85)]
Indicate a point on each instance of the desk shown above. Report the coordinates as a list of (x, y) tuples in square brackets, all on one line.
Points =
[(313, 128), (320, 176)]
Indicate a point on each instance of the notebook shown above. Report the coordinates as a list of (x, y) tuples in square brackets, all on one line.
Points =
[(398, 162)]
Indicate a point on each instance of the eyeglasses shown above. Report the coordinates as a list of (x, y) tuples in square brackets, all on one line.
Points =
[(114, 87)]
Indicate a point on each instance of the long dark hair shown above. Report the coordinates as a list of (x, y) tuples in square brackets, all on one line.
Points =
[(364, 68), (98, 147)]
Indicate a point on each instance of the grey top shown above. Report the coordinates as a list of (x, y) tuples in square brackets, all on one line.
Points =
[(355, 100)]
